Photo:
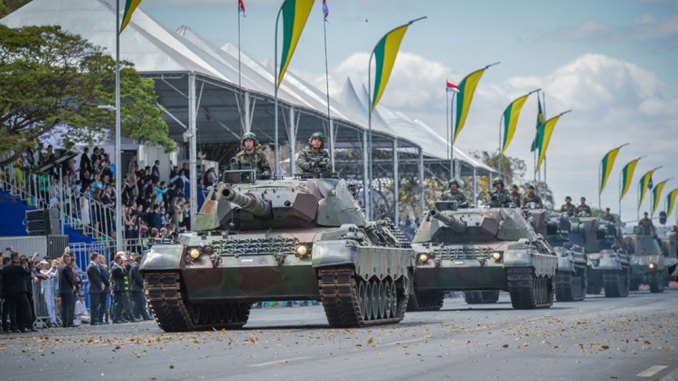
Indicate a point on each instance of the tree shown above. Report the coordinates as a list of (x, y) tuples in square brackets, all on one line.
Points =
[(50, 78), (9, 6), (512, 168)]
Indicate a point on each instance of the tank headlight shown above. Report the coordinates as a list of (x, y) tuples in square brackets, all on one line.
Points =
[(423, 257), (496, 256), (194, 254), (652, 266), (302, 250)]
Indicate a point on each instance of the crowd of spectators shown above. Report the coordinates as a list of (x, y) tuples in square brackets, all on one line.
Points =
[(59, 291)]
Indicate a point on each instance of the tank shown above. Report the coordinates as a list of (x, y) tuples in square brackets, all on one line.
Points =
[(607, 261), (571, 277), (481, 252), (649, 263), (280, 240), (672, 249)]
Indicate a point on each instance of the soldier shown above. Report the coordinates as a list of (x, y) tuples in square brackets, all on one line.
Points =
[(454, 194), (515, 195), (582, 209), (314, 158), (646, 226), (499, 197), (608, 216), (531, 197), (567, 207), (252, 156)]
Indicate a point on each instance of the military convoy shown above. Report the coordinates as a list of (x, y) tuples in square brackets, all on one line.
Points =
[(275, 240), (481, 250), (571, 277)]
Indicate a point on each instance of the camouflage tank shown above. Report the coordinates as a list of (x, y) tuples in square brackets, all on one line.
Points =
[(277, 240), (607, 262), (649, 263), (571, 277), (672, 251), (481, 250)]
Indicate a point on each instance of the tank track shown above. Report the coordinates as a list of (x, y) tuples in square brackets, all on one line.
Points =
[(529, 291), (616, 283), (352, 302), (481, 297), (426, 301), (175, 314), (570, 287), (655, 280)]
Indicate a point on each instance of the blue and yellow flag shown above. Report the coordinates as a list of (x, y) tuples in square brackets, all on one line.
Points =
[(385, 53), (295, 13), (130, 7)]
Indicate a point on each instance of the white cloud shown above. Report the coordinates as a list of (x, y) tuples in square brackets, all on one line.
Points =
[(613, 102)]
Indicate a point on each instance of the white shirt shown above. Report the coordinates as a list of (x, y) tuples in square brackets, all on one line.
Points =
[(80, 309)]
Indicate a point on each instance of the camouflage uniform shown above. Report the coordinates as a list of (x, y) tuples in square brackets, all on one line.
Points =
[(500, 198), (458, 196), (256, 160), (534, 198), (646, 226), (311, 161), (515, 198), (568, 208), (609, 217), (583, 210)]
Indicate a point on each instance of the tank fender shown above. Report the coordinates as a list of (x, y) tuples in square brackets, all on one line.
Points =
[(334, 253), (542, 264), (162, 257)]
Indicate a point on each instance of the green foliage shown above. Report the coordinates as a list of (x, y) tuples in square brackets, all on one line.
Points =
[(50, 78), (512, 169), (9, 6)]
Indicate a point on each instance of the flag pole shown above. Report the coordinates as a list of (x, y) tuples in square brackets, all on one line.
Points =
[(239, 71), (600, 170), (543, 96), (452, 118), (276, 168), (447, 115), (367, 187), (621, 185), (500, 152), (118, 147), (327, 89)]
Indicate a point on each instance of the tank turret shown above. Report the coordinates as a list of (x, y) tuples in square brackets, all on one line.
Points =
[(248, 201), (450, 221)]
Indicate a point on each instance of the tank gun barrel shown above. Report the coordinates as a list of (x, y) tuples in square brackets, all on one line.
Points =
[(450, 221), (248, 201)]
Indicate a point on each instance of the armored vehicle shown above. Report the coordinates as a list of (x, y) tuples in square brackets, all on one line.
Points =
[(607, 262), (275, 240), (649, 263), (571, 278), (481, 250)]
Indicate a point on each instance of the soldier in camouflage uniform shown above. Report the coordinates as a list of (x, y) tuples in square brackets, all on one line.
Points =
[(499, 197), (252, 157), (608, 216), (646, 226), (515, 195), (568, 207), (454, 194), (582, 209), (531, 197), (315, 159)]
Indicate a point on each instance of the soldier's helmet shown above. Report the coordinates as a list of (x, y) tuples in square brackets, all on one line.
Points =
[(453, 181), (317, 135), (249, 136), (498, 180)]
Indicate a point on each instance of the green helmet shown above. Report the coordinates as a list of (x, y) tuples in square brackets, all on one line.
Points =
[(249, 136), (498, 180), (453, 181), (318, 135)]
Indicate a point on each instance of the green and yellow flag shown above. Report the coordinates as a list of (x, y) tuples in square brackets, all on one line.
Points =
[(606, 166), (467, 89), (130, 7), (536, 142), (671, 201), (657, 194), (544, 137), (511, 115), (627, 177), (644, 185), (295, 13), (385, 53)]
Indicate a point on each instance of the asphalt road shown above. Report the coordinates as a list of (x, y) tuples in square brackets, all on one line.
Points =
[(634, 338)]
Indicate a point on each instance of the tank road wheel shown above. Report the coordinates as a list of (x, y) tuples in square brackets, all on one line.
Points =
[(529, 291), (350, 301), (174, 313), (481, 297), (656, 281), (616, 283)]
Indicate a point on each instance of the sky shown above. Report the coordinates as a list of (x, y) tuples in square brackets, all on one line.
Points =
[(612, 62)]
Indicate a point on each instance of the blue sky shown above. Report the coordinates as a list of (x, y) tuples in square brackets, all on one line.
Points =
[(611, 61)]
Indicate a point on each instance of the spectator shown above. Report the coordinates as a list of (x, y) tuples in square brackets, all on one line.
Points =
[(48, 274), (118, 287), (81, 312), (6, 261), (14, 285), (103, 313), (155, 172), (67, 290)]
